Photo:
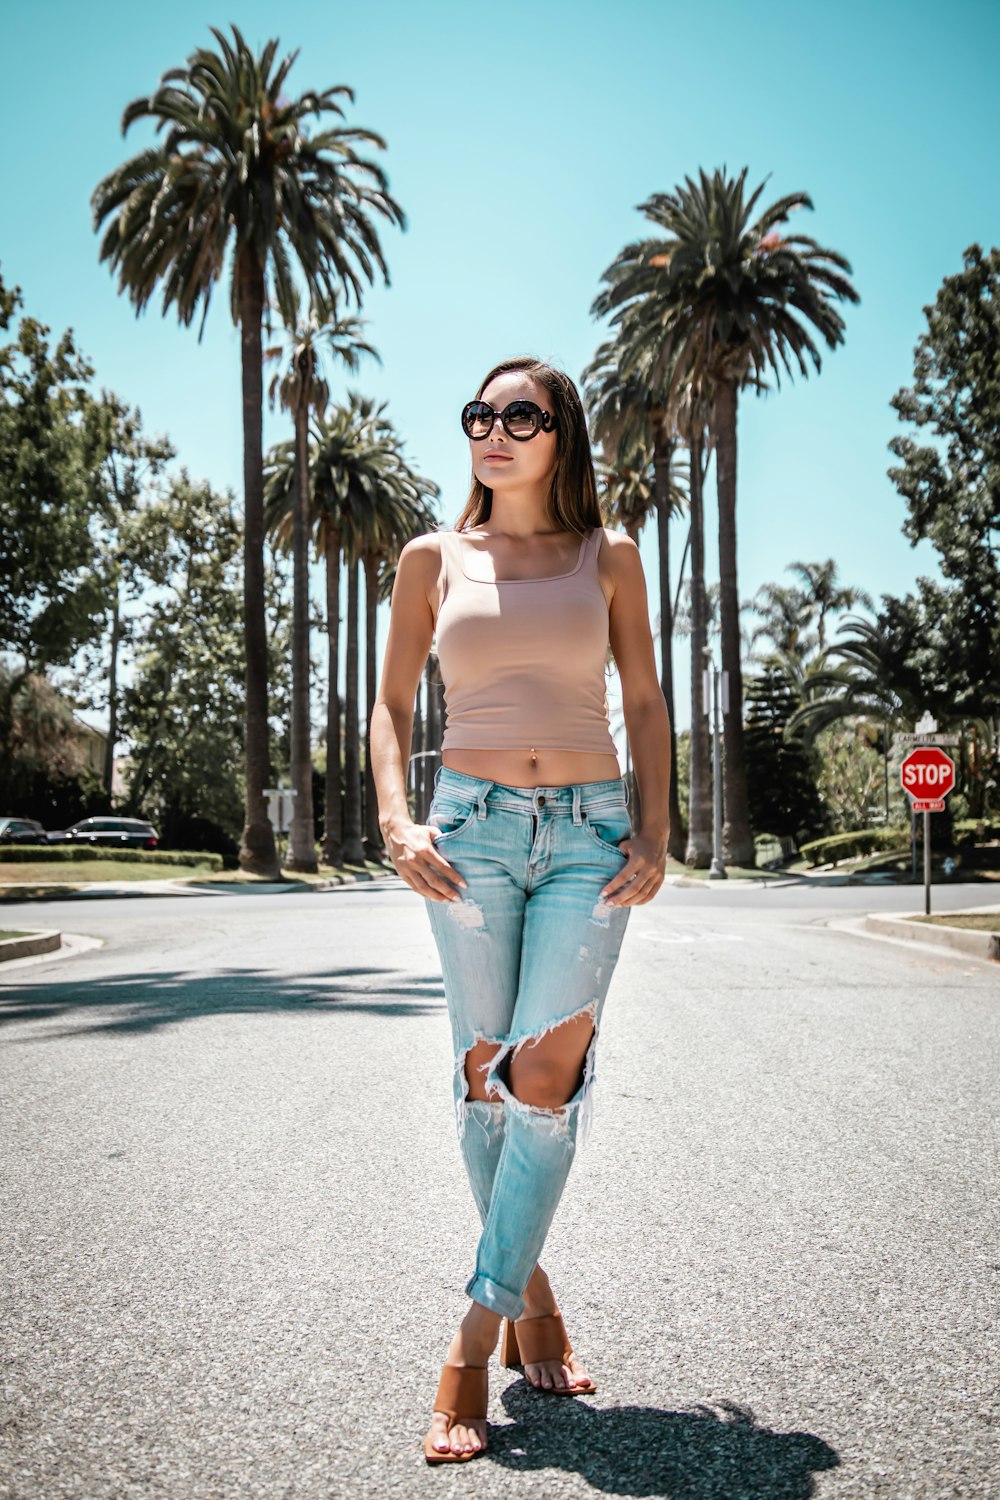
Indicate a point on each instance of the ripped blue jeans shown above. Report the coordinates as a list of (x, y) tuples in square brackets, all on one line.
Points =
[(530, 945)]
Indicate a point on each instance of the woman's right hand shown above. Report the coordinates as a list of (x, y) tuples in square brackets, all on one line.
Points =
[(410, 846)]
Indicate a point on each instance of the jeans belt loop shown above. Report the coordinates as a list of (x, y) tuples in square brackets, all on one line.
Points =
[(481, 797), (577, 820), (625, 785), (437, 776)]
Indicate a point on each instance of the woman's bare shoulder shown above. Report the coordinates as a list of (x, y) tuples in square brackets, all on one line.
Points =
[(621, 550), (423, 551)]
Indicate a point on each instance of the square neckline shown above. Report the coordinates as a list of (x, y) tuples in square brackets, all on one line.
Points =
[(550, 578)]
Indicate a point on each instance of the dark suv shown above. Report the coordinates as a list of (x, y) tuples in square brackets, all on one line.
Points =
[(22, 831), (126, 833)]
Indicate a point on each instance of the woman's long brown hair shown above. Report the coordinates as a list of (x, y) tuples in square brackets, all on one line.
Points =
[(572, 500)]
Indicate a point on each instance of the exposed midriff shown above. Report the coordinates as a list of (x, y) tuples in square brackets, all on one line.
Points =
[(551, 767)]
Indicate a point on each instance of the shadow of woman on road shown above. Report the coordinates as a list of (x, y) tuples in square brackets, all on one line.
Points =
[(696, 1454)]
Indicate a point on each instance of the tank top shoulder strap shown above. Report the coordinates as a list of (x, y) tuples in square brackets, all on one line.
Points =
[(594, 541)]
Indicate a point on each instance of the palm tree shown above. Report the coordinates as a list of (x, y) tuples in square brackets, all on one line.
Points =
[(700, 845), (237, 169), (726, 299), (359, 481), (640, 471), (302, 388), (825, 595), (786, 616)]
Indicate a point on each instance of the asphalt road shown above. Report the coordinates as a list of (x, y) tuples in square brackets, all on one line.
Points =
[(236, 1229)]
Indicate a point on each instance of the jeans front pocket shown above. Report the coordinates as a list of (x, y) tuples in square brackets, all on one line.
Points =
[(607, 825), (451, 817)]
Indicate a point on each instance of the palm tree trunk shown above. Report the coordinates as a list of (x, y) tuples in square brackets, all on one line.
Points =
[(434, 722), (662, 455), (258, 854), (109, 748), (419, 743), (354, 853), (333, 829), (374, 845), (302, 834), (736, 836), (699, 848)]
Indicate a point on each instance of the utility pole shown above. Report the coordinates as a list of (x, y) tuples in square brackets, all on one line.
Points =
[(710, 696)]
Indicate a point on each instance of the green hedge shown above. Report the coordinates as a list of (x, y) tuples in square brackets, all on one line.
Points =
[(13, 854), (838, 846), (965, 829)]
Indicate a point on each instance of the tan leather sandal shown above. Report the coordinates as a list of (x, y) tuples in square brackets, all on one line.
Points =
[(533, 1339), (463, 1394)]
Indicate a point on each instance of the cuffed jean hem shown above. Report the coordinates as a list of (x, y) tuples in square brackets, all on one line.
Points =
[(494, 1296)]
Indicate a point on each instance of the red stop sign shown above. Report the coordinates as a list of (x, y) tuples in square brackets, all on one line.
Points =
[(927, 773)]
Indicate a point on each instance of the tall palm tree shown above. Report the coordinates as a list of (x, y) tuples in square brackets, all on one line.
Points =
[(635, 435), (726, 298), (238, 171), (365, 502), (302, 389), (700, 845)]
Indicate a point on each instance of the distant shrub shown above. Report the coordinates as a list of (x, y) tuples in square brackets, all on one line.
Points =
[(967, 830), (838, 846), (14, 854)]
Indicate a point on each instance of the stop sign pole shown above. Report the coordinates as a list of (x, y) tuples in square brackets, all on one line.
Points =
[(928, 775)]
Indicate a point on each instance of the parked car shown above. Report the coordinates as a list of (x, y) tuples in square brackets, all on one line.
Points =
[(22, 831), (126, 833)]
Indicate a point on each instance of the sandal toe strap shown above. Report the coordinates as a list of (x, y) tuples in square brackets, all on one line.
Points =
[(463, 1392), (543, 1338)]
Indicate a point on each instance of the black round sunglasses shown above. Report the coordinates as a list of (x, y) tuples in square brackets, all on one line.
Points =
[(522, 420)]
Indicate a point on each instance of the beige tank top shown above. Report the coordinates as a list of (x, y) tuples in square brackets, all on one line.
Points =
[(523, 660)]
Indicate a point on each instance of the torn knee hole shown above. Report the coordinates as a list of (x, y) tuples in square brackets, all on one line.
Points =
[(547, 1071), (478, 1060)]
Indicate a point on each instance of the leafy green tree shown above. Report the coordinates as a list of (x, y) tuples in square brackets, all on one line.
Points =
[(951, 484), (851, 775), (782, 784), (183, 710), (50, 594), (125, 465), (239, 173)]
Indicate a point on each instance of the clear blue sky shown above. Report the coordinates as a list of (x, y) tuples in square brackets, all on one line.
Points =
[(520, 139)]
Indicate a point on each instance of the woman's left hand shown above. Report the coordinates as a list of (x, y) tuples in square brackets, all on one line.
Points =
[(641, 876)]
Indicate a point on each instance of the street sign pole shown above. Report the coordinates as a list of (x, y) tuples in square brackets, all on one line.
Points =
[(928, 775)]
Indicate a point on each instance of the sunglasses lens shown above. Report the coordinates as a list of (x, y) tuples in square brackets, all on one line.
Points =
[(522, 418), (477, 419)]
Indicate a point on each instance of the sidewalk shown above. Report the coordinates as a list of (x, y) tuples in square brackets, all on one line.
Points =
[(907, 927)]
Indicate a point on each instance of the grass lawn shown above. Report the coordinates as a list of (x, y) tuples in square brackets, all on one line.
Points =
[(987, 921), (38, 878), (4, 934), (341, 874), (733, 872), (86, 871)]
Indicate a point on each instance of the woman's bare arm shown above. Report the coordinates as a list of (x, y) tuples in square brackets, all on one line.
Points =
[(647, 722), (411, 629)]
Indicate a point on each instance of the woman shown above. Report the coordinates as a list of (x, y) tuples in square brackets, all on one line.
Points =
[(528, 863)]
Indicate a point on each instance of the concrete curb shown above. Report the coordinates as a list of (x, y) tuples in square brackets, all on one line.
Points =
[(26, 947), (899, 925), (72, 944)]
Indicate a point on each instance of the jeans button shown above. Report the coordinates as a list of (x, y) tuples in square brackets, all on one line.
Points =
[(541, 801)]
